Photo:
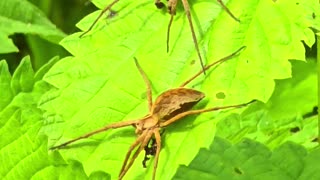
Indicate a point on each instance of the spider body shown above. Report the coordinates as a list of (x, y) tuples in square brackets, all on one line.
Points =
[(169, 107), (174, 101)]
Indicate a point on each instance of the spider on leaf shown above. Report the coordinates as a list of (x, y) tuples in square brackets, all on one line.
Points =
[(169, 107), (172, 4)]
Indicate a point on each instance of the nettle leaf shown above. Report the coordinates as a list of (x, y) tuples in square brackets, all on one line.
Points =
[(249, 159), (22, 80), (5, 79), (286, 116), (101, 84), (21, 16), (23, 150)]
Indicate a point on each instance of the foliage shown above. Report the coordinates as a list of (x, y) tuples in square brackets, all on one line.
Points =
[(22, 17), (253, 161), (99, 84)]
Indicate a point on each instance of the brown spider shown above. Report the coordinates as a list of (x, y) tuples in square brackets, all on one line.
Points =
[(170, 106), (172, 4)]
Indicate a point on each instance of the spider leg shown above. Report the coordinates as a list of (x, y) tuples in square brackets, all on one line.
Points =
[(156, 158), (228, 10), (110, 126), (147, 82), (212, 64), (100, 15), (168, 32), (147, 134), (194, 38), (172, 4), (191, 112), (132, 147)]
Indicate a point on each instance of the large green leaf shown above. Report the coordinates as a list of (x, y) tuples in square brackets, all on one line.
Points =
[(101, 85), (20, 16)]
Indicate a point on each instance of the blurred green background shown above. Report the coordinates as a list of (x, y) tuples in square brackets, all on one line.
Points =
[(64, 14)]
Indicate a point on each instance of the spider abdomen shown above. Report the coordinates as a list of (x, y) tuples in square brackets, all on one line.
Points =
[(175, 101)]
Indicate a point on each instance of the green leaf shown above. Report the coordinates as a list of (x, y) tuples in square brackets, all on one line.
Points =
[(20, 16), (5, 78), (45, 68), (99, 175), (249, 159), (23, 150), (101, 84), (22, 79), (6, 44)]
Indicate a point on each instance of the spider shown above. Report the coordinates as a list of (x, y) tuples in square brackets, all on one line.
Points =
[(169, 107), (172, 4)]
